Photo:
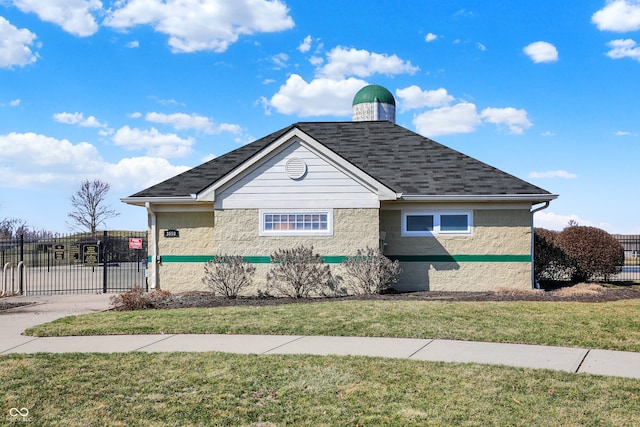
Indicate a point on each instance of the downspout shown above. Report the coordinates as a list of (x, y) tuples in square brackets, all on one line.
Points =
[(153, 241), (534, 284)]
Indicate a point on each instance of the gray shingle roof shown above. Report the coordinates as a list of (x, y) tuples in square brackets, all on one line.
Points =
[(402, 160)]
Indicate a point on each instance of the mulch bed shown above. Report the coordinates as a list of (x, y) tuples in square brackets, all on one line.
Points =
[(206, 299), (6, 305)]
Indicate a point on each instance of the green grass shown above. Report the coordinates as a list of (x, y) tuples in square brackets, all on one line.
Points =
[(612, 325), (160, 389)]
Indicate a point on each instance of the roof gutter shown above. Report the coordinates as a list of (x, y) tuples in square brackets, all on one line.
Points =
[(142, 201), (535, 198), (534, 283)]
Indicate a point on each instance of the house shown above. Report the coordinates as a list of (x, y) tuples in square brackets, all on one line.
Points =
[(453, 222), (630, 243)]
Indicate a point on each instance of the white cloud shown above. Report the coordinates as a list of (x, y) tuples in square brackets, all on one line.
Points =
[(14, 102), (516, 120), (321, 96), (481, 47), (548, 133), (626, 48), (459, 118), (182, 121), (430, 37), (305, 46), (553, 174), (143, 171), (619, 16), (78, 119), (413, 97), (553, 221), (541, 52), (280, 60), (135, 115), (335, 83), (74, 16), (15, 45), (344, 62), (133, 44), (197, 25), (46, 164), (155, 143)]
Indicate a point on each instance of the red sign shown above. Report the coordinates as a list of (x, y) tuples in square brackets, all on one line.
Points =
[(135, 243)]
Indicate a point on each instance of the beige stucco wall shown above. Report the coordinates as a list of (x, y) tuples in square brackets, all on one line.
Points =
[(236, 232), (196, 238), (495, 232)]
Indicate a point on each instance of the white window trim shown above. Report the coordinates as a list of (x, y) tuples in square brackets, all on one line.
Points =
[(436, 223), (327, 232)]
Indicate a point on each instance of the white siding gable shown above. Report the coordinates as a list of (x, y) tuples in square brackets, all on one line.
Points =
[(324, 185)]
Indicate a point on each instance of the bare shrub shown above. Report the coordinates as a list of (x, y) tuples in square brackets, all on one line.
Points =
[(228, 275), (138, 299), (371, 272), (298, 272)]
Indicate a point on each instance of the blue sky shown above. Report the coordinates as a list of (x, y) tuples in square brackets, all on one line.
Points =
[(135, 91)]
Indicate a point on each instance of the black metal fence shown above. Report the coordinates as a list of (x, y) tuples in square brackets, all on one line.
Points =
[(74, 263), (631, 269)]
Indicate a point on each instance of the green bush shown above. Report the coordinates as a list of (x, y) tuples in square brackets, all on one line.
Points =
[(371, 272), (298, 272), (228, 275)]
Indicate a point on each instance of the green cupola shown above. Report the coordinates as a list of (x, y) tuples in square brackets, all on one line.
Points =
[(372, 103)]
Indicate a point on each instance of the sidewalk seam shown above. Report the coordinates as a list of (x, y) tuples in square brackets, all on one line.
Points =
[(283, 344), (155, 342), (19, 345), (582, 361), (420, 349)]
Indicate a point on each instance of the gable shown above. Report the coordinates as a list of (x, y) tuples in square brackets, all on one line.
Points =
[(296, 175)]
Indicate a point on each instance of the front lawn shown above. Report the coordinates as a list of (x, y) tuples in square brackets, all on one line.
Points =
[(161, 389), (611, 325)]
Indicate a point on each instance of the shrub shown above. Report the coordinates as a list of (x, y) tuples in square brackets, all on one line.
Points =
[(593, 252), (550, 261), (138, 299), (298, 272), (228, 275), (371, 272)]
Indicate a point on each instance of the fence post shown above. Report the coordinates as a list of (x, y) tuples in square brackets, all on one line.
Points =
[(104, 262), (21, 264)]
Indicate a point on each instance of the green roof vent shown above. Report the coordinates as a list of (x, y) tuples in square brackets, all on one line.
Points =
[(374, 102)]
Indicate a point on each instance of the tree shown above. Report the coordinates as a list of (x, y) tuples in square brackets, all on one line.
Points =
[(89, 205)]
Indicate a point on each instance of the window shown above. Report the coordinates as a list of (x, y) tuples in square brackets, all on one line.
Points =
[(291, 223), (429, 223)]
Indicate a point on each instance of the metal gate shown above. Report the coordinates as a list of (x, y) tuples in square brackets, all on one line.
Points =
[(75, 263)]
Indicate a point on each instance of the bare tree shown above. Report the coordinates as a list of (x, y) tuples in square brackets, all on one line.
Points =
[(89, 205)]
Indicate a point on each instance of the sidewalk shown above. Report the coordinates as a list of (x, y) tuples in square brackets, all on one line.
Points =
[(576, 360)]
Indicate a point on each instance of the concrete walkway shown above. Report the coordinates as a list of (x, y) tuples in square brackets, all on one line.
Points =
[(48, 308)]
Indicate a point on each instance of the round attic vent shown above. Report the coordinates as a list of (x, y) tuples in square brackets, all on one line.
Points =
[(295, 167)]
